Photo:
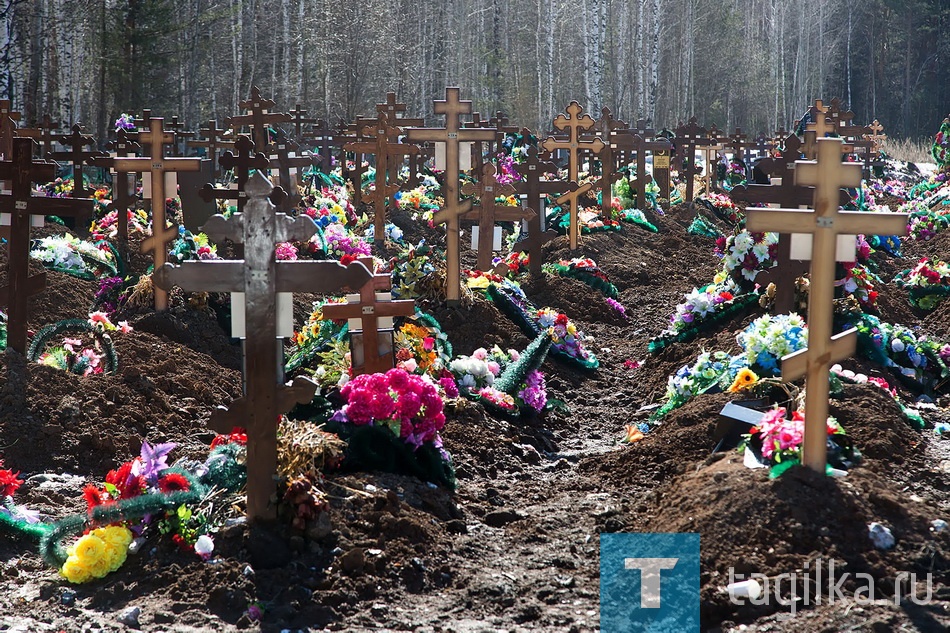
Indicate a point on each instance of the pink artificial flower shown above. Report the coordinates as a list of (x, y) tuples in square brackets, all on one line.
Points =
[(124, 327)]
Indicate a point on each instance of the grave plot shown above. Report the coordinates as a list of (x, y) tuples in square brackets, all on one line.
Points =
[(575, 402)]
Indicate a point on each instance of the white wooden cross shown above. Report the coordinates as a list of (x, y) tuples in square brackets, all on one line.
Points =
[(828, 174)]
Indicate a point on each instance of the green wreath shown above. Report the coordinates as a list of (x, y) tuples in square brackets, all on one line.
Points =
[(941, 144), (71, 362)]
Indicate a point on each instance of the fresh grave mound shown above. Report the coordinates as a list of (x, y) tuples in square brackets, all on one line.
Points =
[(756, 525)]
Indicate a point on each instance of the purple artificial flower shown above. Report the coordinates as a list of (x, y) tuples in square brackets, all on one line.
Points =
[(152, 461)]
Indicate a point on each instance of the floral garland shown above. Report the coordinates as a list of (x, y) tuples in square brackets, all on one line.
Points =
[(107, 227), (422, 347), (567, 339), (520, 385), (734, 173), (422, 202), (927, 283), (589, 220), (767, 339), (925, 222), (331, 205), (859, 283), (779, 441), (586, 270), (314, 337), (71, 355), (76, 257), (636, 216), (711, 371), (920, 363)]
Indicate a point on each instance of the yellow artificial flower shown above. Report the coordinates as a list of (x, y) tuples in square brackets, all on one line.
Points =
[(479, 283), (745, 379), (74, 571), (89, 547)]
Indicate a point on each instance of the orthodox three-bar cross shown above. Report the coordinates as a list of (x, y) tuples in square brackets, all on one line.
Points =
[(574, 122), (286, 160), (123, 187), (43, 134), (77, 157), (379, 139), (489, 212), (259, 117), (534, 189), (828, 175), (260, 276), (22, 172), (213, 141), (157, 165), (452, 134), (606, 126), (688, 138)]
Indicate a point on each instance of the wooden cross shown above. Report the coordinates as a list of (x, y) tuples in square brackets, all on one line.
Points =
[(574, 122), (240, 165), (157, 165), (716, 143), (762, 148), (780, 135), (8, 119), (640, 145), (77, 157), (325, 140), (489, 212), (688, 138), (214, 140), (875, 136), (452, 134), (377, 141), (369, 310), (737, 141), (606, 126), (22, 172), (533, 188), (42, 134), (298, 116), (819, 127), (416, 162), (177, 129), (123, 187), (477, 149), (260, 277), (828, 174), (284, 158), (258, 119), (502, 129)]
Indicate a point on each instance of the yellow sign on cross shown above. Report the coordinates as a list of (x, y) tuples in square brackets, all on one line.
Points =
[(828, 174)]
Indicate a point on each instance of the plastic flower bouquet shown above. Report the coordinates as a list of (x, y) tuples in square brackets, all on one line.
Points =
[(586, 270), (722, 206), (711, 371), (927, 283), (767, 339), (744, 254), (340, 242), (69, 254)]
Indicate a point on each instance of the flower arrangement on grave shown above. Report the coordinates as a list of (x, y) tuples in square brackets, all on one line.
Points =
[(422, 347), (924, 222), (567, 339), (395, 411), (734, 173), (927, 283), (141, 493), (722, 206), (516, 262), (702, 309), (770, 337), (191, 247), (393, 233), (316, 336), (891, 187), (125, 122), (858, 282), (415, 273), (84, 349), (106, 227), (941, 145), (712, 371), (627, 196), (589, 220), (584, 269), (422, 202), (509, 382), (331, 205), (76, 257), (744, 254), (919, 362), (339, 243), (779, 442)]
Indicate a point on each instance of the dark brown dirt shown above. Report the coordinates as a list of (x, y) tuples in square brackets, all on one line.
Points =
[(516, 547)]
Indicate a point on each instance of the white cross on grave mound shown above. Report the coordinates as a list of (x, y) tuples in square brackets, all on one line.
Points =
[(825, 223)]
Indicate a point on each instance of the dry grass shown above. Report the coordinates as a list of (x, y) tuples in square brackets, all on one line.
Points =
[(909, 149)]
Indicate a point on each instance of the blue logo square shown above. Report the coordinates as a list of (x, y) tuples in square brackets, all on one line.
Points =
[(649, 583)]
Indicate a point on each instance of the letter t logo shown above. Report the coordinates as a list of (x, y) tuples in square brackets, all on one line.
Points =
[(649, 578)]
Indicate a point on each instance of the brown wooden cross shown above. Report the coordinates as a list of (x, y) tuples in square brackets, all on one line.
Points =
[(574, 122), (123, 187), (819, 127), (157, 165), (488, 212), (298, 117), (259, 117), (416, 162), (43, 134), (828, 174), (717, 140), (606, 126), (213, 141), (452, 134), (535, 189), (688, 138), (477, 148), (284, 158), (875, 135), (22, 172), (77, 157), (379, 140), (369, 308), (240, 166), (325, 140), (8, 119), (260, 277), (640, 146), (502, 129), (177, 129)]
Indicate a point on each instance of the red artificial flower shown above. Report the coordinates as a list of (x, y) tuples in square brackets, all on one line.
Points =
[(726, 296), (129, 486), (561, 319), (238, 435), (173, 482), (8, 482), (346, 259), (93, 497)]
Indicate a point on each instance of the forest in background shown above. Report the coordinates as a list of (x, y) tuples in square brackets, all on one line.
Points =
[(751, 63)]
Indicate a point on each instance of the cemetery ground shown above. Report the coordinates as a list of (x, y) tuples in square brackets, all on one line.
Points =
[(515, 548)]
